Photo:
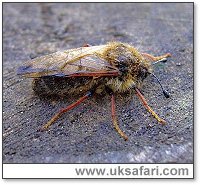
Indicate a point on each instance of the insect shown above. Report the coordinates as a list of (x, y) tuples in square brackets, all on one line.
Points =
[(111, 68)]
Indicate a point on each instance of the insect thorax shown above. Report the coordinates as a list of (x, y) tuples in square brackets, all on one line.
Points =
[(132, 66)]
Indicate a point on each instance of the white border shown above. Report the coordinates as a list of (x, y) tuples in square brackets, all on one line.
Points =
[(118, 170)]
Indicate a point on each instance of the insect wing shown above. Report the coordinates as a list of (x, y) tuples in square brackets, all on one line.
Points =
[(91, 65), (42, 66), (84, 61)]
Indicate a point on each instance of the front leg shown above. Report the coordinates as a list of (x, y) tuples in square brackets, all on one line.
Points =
[(158, 58), (141, 97), (114, 119)]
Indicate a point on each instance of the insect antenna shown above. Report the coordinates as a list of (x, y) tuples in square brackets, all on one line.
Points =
[(166, 94)]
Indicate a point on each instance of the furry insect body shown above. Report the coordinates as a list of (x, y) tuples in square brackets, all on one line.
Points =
[(115, 68), (131, 65)]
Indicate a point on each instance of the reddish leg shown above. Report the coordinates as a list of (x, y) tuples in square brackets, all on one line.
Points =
[(149, 108), (114, 119), (156, 58), (56, 116)]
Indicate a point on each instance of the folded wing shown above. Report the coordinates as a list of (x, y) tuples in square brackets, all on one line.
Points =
[(85, 61)]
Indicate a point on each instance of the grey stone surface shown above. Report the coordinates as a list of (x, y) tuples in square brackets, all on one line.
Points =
[(86, 134)]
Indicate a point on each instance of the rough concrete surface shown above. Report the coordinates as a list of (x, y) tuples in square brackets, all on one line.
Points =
[(86, 133)]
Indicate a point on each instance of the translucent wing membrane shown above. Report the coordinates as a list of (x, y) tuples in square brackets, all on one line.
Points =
[(84, 61)]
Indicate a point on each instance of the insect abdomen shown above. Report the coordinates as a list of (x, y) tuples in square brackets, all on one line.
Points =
[(61, 86)]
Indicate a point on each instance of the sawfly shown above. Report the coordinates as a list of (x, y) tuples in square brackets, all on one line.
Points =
[(111, 68)]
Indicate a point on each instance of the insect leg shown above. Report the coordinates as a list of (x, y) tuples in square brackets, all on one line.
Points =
[(114, 119), (56, 116), (158, 57), (141, 97)]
